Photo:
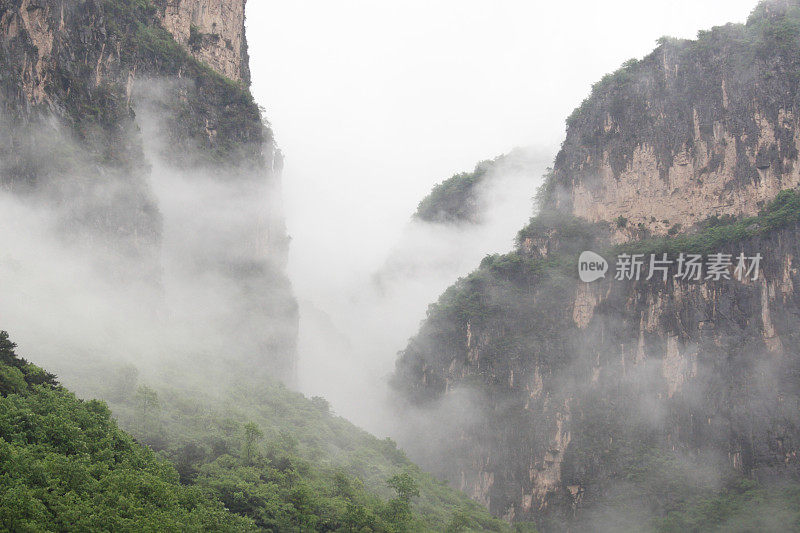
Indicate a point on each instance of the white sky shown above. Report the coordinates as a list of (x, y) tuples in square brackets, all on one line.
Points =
[(373, 102)]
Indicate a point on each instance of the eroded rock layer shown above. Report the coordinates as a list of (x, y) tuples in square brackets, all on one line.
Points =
[(103, 102), (575, 404)]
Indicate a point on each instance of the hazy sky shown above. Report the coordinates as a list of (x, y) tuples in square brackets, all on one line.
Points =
[(373, 102)]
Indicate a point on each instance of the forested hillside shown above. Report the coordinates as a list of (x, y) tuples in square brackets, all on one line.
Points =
[(66, 466), (260, 458)]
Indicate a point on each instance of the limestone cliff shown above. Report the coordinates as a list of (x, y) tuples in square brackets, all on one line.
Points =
[(589, 404), (81, 61), (695, 128), (213, 31), (96, 93)]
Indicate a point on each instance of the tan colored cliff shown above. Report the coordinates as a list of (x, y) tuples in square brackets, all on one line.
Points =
[(689, 191), (671, 341), (34, 32), (695, 129), (583, 387), (33, 21), (213, 31)]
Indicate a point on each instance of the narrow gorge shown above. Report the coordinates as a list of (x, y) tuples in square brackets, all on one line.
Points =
[(152, 341), (145, 265)]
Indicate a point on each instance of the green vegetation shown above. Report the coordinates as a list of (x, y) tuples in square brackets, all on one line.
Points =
[(455, 199), (616, 81), (288, 463), (258, 457), (565, 229), (17, 376), (134, 23), (67, 467), (745, 506), (506, 277)]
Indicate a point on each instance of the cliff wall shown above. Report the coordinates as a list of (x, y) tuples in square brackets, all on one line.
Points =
[(213, 31), (695, 128), (580, 385), (579, 404), (104, 101)]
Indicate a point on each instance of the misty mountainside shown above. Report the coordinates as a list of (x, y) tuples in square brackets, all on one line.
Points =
[(459, 199), (66, 466), (131, 142), (354, 333), (144, 264), (261, 458), (637, 405), (464, 217)]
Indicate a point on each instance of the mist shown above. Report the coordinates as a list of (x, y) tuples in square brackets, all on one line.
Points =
[(355, 325), (234, 279), (84, 293), (368, 129)]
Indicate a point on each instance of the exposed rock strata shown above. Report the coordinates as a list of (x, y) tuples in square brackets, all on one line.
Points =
[(588, 390), (213, 31), (694, 129), (79, 80)]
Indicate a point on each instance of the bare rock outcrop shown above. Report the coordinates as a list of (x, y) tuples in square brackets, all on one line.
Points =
[(213, 31), (594, 396)]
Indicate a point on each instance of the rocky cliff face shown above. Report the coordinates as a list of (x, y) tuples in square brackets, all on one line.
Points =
[(81, 62), (580, 382), (37, 34), (626, 398), (693, 129), (103, 101), (212, 31)]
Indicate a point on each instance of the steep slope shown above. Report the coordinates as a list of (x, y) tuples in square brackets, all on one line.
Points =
[(695, 128), (314, 468), (618, 404), (67, 467), (108, 104), (146, 179), (276, 461), (212, 31)]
